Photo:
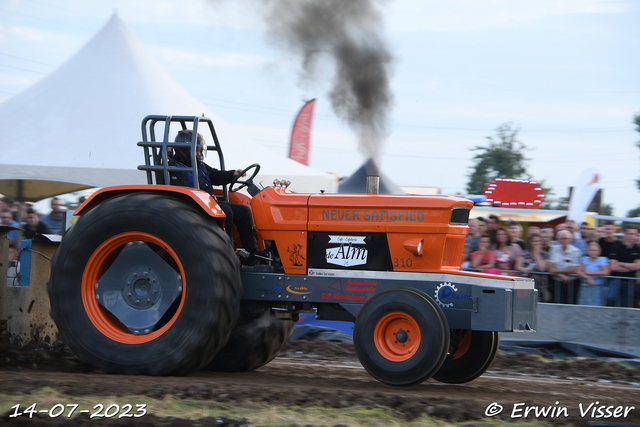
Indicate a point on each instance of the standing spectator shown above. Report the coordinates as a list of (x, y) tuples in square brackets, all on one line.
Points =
[(474, 234), (592, 288), (466, 257), (533, 260), (564, 260), (492, 226), (55, 220), (592, 236), (584, 227), (577, 237), (24, 209), (7, 203), (585, 232), (33, 225), (532, 229), (484, 258), (624, 259), (7, 219), (515, 230), (482, 225), (560, 227), (547, 238), (601, 231), (609, 239), (506, 251), (14, 266)]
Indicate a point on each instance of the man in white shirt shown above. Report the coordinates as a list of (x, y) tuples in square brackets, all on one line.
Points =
[(564, 260)]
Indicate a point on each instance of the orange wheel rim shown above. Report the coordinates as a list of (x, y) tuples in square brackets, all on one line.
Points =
[(463, 347), (397, 336), (98, 263)]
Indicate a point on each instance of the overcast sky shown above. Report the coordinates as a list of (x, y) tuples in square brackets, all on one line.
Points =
[(564, 71)]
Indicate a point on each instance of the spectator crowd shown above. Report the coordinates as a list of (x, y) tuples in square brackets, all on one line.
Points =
[(34, 223), (570, 265)]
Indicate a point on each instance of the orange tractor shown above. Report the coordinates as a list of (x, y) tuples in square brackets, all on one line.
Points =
[(148, 282)]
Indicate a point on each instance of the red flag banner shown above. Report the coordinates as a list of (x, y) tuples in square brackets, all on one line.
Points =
[(301, 134)]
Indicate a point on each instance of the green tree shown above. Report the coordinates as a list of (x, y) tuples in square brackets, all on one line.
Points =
[(633, 213), (606, 209), (503, 157)]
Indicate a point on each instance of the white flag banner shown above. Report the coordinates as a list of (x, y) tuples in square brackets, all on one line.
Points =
[(583, 193)]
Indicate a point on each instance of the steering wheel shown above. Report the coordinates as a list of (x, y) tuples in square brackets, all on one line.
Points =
[(244, 183)]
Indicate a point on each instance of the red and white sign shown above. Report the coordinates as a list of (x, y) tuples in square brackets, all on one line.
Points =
[(514, 193)]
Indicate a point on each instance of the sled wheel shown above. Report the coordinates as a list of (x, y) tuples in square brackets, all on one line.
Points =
[(254, 342), (401, 336), (145, 284), (469, 364)]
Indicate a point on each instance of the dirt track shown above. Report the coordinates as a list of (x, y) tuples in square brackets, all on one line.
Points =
[(328, 374)]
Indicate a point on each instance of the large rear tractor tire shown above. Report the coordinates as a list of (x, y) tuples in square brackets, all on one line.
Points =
[(472, 356), (254, 342), (401, 336), (145, 284)]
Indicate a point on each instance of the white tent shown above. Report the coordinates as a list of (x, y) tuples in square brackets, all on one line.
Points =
[(78, 127)]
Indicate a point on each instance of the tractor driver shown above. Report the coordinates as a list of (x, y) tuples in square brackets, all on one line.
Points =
[(237, 214)]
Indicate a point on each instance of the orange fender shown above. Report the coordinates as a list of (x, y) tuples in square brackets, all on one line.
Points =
[(198, 197)]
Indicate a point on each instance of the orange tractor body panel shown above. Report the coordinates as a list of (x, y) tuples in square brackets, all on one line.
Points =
[(199, 197), (407, 220)]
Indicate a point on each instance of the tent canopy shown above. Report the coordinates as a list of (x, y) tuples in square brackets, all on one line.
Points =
[(78, 127), (357, 182)]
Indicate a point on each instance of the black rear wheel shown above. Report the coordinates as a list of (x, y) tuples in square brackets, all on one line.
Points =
[(145, 284), (401, 336), (470, 357), (254, 342)]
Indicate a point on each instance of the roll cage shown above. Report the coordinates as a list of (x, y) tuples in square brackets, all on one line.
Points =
[(158, 152)]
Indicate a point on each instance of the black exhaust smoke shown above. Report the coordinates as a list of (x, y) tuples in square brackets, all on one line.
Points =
[(346, 31)]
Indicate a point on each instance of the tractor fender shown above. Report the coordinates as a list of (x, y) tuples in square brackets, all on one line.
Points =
[(200, 198)]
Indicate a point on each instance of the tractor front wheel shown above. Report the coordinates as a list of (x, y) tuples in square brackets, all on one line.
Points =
[(401, 336)]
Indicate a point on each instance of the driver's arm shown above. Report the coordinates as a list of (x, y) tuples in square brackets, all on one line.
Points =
[(219, 177)]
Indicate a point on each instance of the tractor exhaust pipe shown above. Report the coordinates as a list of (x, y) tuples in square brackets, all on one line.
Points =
[(373, 184)]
